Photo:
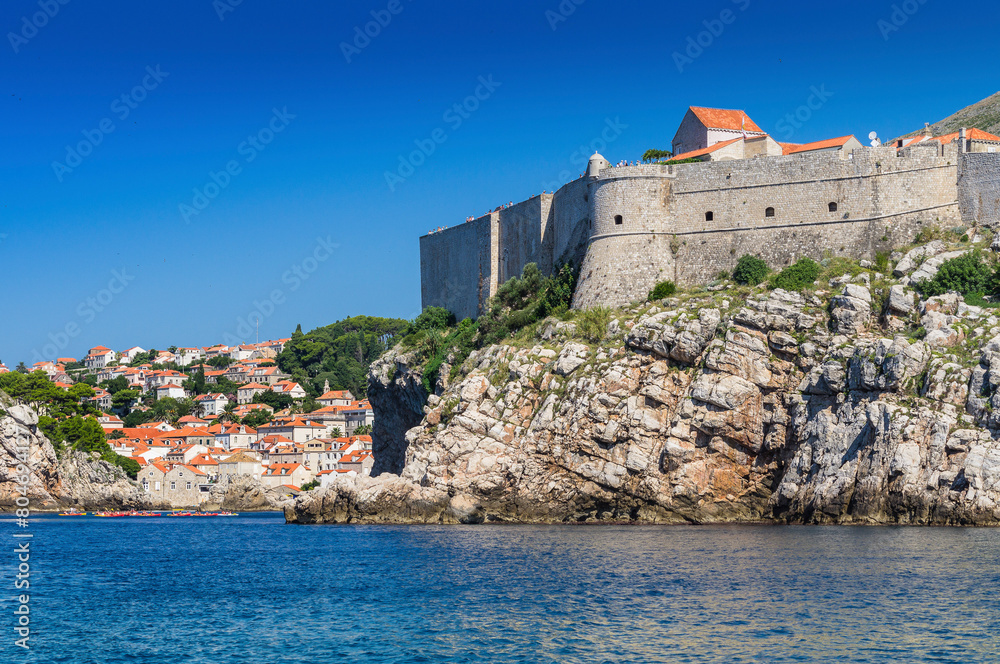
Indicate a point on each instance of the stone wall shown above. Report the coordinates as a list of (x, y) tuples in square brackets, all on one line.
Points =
[(688, 222), (520, 237), (979, 188), (568, 229), (456, 266)]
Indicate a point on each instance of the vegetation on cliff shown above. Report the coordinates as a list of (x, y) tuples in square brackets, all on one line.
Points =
[(518, 305), (339, 353), (64, 415)]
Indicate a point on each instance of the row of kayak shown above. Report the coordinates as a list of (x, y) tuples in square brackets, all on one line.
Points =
[(148, 514)]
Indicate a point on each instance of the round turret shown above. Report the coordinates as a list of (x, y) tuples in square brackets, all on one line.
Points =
[(596, 165)]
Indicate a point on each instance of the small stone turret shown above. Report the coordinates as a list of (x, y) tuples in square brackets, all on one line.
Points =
[(596, 165)]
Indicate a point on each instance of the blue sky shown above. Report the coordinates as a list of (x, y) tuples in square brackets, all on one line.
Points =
[(117, 116)]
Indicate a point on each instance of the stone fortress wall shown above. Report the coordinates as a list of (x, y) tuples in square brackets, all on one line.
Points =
[(630, 227)]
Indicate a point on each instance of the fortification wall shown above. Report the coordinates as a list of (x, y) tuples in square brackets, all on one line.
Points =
[(666, 231), (979, 188), (456, 266), (520, 237), (567, 231)]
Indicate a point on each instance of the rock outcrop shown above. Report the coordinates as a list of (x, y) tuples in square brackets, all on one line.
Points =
[(76, 479), (785, 407), (397, 393), (244, 493)]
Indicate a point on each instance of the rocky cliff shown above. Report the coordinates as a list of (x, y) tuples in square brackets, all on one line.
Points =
[(76, 479), (723, 405), (80, 480)]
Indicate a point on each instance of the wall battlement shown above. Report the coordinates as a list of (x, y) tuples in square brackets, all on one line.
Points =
[(630, 227)]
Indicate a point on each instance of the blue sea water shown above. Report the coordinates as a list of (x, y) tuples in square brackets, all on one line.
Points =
[(252, 589)]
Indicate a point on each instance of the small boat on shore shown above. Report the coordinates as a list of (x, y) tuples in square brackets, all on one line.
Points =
[(72, 513)]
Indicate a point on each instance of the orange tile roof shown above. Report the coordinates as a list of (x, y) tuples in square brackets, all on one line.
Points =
[(822, 145), (720, 118), (704, 151), (972, 134)]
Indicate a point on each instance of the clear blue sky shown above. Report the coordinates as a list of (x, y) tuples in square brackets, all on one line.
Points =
[(66, 228)]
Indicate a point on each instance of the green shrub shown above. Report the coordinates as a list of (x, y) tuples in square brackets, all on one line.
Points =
[(750, 270), (882, 262), (593, 323), (663, 289), (798, 276), (968, 273)]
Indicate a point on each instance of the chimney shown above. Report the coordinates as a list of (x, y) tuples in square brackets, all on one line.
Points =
[(927, 130), (961, 140)]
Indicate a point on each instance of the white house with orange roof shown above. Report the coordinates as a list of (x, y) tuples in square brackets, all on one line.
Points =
[(101, 398), (187, 356), (212, 404), (170, 390), (359, 414), (287, 473), (128, 356), (297, 429), (246, 393), (236, 437), (289, 387), (98, 357), (703, 128), (3, 368), (108, 422), (359, 462), (335, 397)]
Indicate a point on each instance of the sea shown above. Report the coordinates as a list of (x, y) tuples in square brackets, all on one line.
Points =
[(253, 589)]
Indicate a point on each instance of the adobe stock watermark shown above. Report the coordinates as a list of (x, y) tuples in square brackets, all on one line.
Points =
[(613, 129), (223, 7), (698, 44), (454, 117), (562, 13), (86, 313), (293, 278), (31, 25), (364, 34), (249, 150), (899, 17), (121, 107), (22, 538), (793, 121)]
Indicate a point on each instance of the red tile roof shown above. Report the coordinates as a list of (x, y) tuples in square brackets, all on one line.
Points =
[(702, 152), (972, 134), (821, 145), (719, 118)]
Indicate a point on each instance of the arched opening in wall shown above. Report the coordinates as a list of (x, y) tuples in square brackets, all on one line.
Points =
[(709, 216), (833, 207), (618, 220), (769, 212)]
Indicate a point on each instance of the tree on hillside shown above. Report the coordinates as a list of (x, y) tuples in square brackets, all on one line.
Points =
[(21, 368), (340, 353)]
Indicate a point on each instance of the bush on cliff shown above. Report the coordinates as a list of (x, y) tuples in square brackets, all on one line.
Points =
[(518, 304), (750, 270), (968, 274), (593, 323), (662, 290), (798, 276)]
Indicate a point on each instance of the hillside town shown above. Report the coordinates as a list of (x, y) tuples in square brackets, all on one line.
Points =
[(194, 418)]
